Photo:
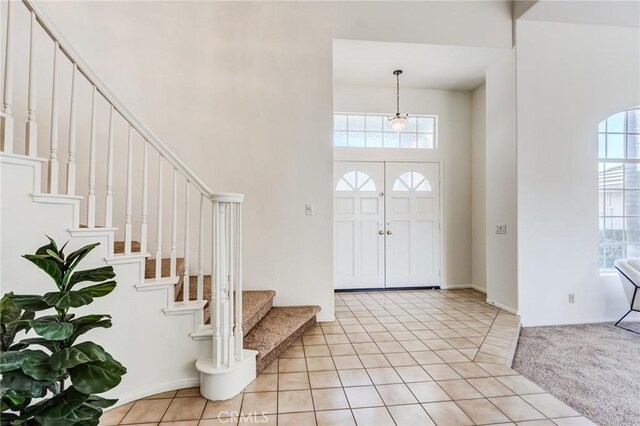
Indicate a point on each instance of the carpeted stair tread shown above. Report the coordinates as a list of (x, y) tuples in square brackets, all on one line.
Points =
[(279, 328), (150, 268), (118, 247), (255, 303)]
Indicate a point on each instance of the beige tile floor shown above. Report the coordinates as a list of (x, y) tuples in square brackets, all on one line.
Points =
[(404, 358)]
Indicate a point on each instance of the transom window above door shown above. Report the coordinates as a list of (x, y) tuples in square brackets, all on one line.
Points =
[(373, 131)]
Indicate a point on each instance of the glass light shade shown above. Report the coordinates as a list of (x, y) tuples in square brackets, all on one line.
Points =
[(398, 121)]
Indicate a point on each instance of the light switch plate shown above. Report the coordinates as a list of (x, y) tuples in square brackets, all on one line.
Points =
[(501, 229), (308, 209)]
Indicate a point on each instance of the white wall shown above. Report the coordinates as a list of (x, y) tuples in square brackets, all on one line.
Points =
[(242, 93), (478, 189), (501, 254), (453, 109), (570, 77)]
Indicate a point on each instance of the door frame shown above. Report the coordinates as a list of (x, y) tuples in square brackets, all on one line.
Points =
[(443, 227)]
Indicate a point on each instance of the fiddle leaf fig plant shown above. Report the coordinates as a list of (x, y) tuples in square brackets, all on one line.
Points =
[(48, 378)]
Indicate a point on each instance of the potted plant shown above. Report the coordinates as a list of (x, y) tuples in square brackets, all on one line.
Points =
[(48, 377)]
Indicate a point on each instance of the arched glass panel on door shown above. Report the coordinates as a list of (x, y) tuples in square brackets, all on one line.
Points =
[(352, 181), (412, 180)]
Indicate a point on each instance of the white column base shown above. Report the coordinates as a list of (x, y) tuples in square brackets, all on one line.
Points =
[(223, 383)]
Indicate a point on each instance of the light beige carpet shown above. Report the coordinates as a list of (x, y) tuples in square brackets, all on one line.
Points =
[(594, 368)]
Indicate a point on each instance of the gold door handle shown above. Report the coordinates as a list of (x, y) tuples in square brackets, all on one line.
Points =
[(389, 232), (380, 232)]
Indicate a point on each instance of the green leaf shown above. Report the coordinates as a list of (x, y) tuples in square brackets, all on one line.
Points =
[(50, 266), (94, 275), (51, 246), (76, 355), (97, 377), (61, 405), (55, 256), (85, 323), (14, 402), (11, 360), (75, 257), (25, 385), (9, 311), (36, 365), (51, 329), (100, 402), (67, 299), (100, 290), (30, 302), (50, 345)]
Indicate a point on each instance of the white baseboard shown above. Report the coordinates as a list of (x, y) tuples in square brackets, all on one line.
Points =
[(154, 389), (456, 286), (478, 288), (574, 322), (503, 307)]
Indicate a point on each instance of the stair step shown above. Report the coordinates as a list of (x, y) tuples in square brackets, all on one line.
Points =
[(279, 328), (150, 269), (255, 304), (118, 247)]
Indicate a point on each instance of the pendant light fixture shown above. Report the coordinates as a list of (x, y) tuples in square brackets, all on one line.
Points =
[(398, 121)]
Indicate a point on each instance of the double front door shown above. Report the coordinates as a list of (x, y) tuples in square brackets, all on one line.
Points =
[(386, 224)]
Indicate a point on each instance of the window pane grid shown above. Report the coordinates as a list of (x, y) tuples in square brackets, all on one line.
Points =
[(619, 187), (373, 131)]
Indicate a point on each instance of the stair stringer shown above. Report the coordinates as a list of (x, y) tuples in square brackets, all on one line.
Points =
[(155, 348)]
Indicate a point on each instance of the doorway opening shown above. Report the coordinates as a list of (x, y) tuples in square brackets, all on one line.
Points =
[(387, 224)]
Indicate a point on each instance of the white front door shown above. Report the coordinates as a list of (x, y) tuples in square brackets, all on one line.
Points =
[(412, 224), (359, 225), (386, 225)]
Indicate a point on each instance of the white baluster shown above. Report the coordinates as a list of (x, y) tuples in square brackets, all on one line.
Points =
[(215, 284), (32, 127), (53, 162), (7, 119), (108, 212), (186, 282), (71, 164), (159, 228), (231, 346), (145, 184), (174, 224), (238, 257), (200, 282), (128, 207), (91, 199)]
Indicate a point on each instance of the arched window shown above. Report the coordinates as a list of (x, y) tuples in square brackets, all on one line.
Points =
[(619, 187), (412, 180), (352, 181)]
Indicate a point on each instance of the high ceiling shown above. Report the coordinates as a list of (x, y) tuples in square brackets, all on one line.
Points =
[(618, 13), (367, 63)]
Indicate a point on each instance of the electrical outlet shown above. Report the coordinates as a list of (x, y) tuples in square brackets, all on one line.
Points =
[(572, 298), (501, 229), (308, 209)]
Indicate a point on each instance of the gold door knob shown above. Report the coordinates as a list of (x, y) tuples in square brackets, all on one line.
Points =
[(380, 232), (389, 232)]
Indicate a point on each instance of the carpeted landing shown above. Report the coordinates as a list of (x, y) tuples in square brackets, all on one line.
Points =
[(594, 368)]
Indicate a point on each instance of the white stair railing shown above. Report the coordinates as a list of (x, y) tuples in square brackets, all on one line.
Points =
[(83, 177)]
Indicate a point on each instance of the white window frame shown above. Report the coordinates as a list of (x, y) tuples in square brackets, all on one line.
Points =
[(386, 130), (605, 214)]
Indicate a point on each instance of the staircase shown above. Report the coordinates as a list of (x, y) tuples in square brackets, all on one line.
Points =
[(196, 232), (268, 330)]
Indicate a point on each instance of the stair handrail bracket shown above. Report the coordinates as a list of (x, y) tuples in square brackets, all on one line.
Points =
[(177, 196)]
